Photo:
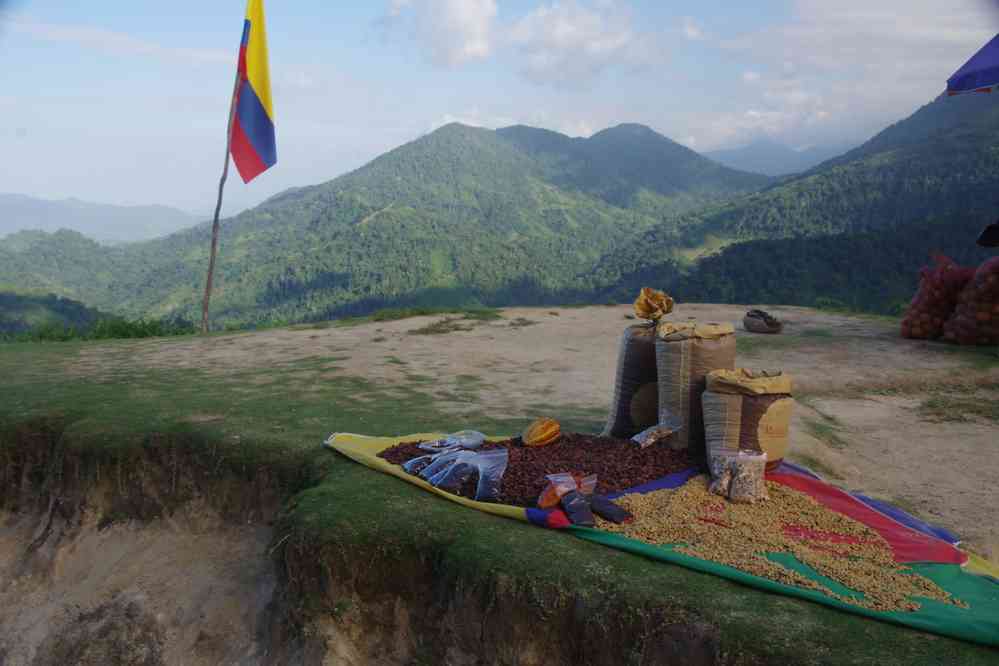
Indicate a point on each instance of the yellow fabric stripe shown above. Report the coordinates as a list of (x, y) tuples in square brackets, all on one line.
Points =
[(257, 69), (979, 565), (365, 450)]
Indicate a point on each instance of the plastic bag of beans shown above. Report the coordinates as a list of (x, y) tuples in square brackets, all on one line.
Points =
[(936, 298), (748, 478), (975, 320), (720, 469), (558, 485), (563, 482)]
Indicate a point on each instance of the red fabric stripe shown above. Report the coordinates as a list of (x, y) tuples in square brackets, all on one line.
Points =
[(247, 161), (242, 62), (907, 545)]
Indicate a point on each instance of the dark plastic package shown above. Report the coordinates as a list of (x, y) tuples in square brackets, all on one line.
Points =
[(577, 508), (607, 510)]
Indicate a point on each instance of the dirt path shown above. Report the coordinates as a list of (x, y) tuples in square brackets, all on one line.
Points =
[(911, 422)]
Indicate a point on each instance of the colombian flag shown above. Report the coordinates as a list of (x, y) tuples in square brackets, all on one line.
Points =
[(252, 140)]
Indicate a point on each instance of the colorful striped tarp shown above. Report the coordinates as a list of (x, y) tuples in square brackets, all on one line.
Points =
[(252, 142), (967, 577)]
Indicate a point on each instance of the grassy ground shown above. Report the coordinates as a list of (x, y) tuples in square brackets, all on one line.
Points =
[(278, 415)]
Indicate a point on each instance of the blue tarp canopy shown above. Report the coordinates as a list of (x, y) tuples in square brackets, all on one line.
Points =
[(980, 73)]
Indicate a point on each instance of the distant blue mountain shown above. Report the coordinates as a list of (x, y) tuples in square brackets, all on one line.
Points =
[(771, 158), (103, 222)]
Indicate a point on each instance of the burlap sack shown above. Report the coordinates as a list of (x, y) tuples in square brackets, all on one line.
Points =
[(747, 411), (636, 393), (685, 354)]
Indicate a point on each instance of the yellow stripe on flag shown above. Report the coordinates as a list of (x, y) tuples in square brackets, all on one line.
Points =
[(257, 70)]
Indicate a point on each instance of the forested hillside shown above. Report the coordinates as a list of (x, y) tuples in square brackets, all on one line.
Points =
[(20, 313), (940, 164), (874, 271), (460, 215)]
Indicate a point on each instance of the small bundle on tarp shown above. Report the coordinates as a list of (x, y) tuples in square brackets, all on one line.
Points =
[(636, 392), (976, 318), (936, 298), (685, 354), (749, 411)]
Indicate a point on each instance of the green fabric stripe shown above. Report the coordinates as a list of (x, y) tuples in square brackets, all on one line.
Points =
[(979, 623)]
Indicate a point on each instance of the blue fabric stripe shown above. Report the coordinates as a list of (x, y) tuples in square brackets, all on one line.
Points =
[(256, 124), (981, 71), (668, 482), (246, 33), (909, 520)]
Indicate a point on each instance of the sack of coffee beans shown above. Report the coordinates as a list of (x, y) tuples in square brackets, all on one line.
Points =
[(636, 393), (749, 411), (685, 354)]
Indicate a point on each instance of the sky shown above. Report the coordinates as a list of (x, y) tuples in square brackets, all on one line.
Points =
[(126, 101)]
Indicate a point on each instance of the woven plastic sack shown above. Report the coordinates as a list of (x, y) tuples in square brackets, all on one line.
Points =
[(685, 354), (939, 288), (975, 320), (636, 394), (747, 411)]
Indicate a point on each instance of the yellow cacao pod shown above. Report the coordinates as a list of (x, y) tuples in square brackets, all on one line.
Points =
[(542, 432), (652, 304)]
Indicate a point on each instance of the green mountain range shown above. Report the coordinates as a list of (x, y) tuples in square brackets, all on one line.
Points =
[(461, 214), (940, 166), (528, 216)]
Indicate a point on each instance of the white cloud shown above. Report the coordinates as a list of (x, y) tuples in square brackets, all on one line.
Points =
[(844, 70), (452, 32), (691, 30), (116, 43), (474, 118), (567, 42)]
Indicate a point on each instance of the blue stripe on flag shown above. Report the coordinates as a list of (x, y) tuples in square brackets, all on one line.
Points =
[(256, 124)]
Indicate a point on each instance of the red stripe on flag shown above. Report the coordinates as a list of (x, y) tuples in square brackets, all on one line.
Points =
[(247, 160)]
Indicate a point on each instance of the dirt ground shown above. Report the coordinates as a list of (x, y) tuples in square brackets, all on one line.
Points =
[(900, 420), (153, 594)]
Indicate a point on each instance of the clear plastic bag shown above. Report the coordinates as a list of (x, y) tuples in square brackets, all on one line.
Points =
[(416, 465), (654, 435), (587, 484), (451, 469), (748, 477), (441, 462), (492, 467), (463, 439), (558, 485)]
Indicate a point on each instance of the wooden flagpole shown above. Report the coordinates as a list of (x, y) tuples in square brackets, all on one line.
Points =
[(218, 207)]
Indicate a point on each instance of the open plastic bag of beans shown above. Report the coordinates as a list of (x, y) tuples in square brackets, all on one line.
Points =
[(935, 300), (975, 320), (564, 482), (748, 477)]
